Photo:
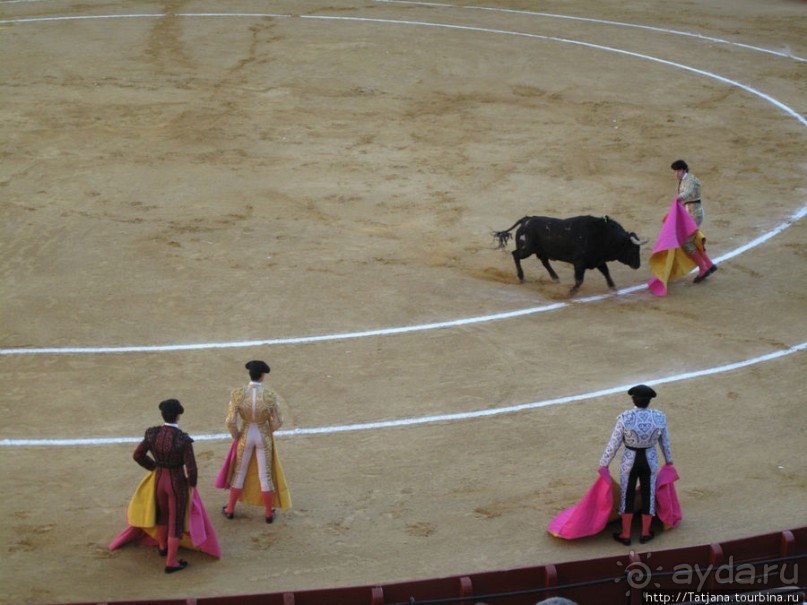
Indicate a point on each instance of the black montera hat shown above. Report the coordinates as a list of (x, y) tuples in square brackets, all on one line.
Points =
[(258, 366), (171, 407), (679, 165), (643, 391)]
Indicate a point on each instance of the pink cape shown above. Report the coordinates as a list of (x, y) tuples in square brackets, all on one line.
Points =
[(592, 513), (202, 535), (251, 493), (668, 260), (668, 509), (222, 479)]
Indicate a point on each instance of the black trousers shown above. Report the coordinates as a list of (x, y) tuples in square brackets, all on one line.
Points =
[(640, 471)]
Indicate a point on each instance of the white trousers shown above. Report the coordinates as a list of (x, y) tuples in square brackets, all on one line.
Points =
[(253, 445)]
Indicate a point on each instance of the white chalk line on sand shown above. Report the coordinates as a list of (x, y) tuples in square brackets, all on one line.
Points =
[(662, 30), (620, 51), (708, 74), (442, 417), (402, 422), (651, 28), (429, 326), (389, 331)]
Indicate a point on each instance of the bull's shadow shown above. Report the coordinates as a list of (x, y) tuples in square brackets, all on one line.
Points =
[(586, 242)]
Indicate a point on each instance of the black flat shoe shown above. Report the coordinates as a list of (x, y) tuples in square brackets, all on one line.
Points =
[(647, 538), (226, 514), (182, 565), (709, 271), (271, 518), (163, 553), (621, 540)]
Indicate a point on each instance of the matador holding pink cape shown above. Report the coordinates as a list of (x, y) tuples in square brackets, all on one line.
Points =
[(252, 470), (166, 510), (638, 430), (681, 246)]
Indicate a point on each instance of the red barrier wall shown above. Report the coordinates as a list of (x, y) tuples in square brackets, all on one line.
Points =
[(757, 563)]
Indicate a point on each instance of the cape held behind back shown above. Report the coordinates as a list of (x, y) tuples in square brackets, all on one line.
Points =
[(141, 519)]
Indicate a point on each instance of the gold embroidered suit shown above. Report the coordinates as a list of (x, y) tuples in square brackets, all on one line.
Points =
[(255, 405)]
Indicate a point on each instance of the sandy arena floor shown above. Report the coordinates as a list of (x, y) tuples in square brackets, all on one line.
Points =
[(224, 173)]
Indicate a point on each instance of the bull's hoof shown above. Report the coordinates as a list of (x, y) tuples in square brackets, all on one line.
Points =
[(555, 279)]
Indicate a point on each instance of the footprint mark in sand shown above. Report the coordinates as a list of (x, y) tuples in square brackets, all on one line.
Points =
[(486, 513), (420, 529)]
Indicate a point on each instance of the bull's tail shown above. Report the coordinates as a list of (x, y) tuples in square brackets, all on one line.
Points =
[(502, 237)]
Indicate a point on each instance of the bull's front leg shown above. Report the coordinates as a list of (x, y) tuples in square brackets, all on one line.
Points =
[(603, 268)]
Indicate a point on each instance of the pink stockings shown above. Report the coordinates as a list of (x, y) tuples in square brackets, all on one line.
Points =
[(268, 502), (173, 549), (169, 546), (234, 495), (162, 537), (702, 260), (627, 519)]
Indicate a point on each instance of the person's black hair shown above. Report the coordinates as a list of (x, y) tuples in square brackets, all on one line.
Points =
[(641, 394), (257, 369), (679, 165), (171, 409)]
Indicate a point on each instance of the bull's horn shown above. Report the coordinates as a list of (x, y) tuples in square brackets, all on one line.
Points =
[(637, 241)]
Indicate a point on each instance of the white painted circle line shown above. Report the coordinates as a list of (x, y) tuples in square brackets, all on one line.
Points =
[(386, 331), (708, 74), (620, 51), (430, 419), (444, 417), (651, 28), (437, 325)]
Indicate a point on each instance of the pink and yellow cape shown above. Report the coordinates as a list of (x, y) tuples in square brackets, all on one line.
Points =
[(668, 260), (142, 514), (251, 493), (590, 516)]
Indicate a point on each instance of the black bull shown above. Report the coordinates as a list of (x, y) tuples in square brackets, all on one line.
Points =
[(587, 242)]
